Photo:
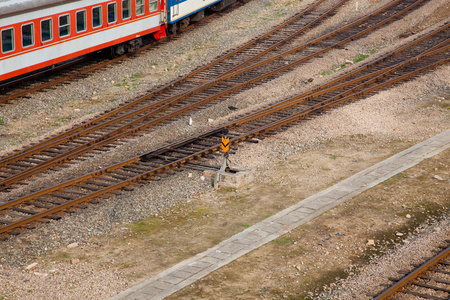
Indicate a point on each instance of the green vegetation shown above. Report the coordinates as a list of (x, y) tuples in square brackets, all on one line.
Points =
[(394, 179), (325, 73), (282, 241), (293, 2), (64, 255), (130, 82), (63, 119), (277, 13), (148, 225), (360, 57), (2, 121), (136, 76)]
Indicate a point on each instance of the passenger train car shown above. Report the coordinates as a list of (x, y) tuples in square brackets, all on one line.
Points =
[(40, 33)]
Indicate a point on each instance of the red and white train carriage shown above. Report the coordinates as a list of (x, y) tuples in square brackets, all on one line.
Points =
[(40, 33)]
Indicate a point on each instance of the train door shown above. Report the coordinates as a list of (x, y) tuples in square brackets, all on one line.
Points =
[(176, 8), (163, 12)]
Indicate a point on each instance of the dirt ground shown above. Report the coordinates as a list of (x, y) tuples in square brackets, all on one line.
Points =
[(329, 248), (293, 266), (299, 264)]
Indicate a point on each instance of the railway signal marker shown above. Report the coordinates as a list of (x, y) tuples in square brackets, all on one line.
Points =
[(225, 144)]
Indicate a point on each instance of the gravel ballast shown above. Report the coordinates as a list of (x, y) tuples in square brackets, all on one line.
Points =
[(410, 113)]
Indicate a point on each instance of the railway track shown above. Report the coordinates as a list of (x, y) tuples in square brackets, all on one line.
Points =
[(419, 56), (72, 140), (269, 56), (430, 280), (80, 68)]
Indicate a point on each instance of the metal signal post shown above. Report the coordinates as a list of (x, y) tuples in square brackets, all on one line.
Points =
[(225, 147)]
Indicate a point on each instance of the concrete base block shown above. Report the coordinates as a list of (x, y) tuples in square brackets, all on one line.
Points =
[(233, 177)]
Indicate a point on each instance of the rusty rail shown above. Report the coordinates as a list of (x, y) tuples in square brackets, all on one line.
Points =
[(129, 130), (85, 71), (134, 127), (150, 165), (109, 137), (398, 286)]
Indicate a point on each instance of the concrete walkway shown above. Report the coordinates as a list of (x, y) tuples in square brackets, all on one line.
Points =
[(190, 270)]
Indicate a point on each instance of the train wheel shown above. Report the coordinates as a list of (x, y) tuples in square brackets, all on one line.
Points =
[(184, 23), (135, 44), (117, 50), (173, 28)]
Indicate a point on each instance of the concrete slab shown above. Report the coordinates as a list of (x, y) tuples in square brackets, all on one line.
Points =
[(233, 177), (188, 271), (231, 248)]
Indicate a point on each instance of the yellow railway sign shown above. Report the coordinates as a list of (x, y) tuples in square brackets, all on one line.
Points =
[(225, 144)]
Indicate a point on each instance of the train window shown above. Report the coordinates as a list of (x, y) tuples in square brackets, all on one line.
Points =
[(112, 17), (81, 21), (153, 5), (126, 9), (140, 7), (64, 25), (97, 17), (28, 35), (46, 30), (7, 40)]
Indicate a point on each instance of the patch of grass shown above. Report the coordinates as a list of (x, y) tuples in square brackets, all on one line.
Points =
[(289, 3), (400, 175), (340, 67), (64, 255), (128, 265), (318, 284), (227, 190), (394, 179), (360, 57), (325, 73), (136, 76), (63, 119), (149, 225), (283, 241), (244, 224), (2, 121)]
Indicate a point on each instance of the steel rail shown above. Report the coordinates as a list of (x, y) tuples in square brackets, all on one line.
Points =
[(122, 132), (170, 85), (398, 286), (212, 82), (87, 70), (328, 87), (145, 176), (55, 141), (228, 75), (341, 98), (215, 133)]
